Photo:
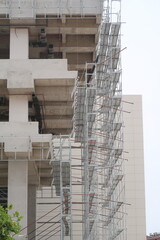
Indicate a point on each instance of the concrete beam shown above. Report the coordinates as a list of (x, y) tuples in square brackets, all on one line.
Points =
[(57, 82), (14, 129), (58, 103), (40, 69), (58, 111), (59, 123), (72, 30), (76, 66), (55, 93), (53, 8), (74, 49), (58, 131)]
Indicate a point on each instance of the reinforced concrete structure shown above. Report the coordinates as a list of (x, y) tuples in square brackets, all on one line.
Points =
[(61, 125)]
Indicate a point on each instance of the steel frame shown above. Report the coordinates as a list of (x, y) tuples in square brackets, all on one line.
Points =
[(98, 124), (62, 158)]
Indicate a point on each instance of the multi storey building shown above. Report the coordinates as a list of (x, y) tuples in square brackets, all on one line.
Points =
[(61, 126)]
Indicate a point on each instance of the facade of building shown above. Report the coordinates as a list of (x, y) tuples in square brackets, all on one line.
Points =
[(62, 152), (134, 167)]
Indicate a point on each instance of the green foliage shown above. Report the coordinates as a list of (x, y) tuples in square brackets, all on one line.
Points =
[(9, 224)]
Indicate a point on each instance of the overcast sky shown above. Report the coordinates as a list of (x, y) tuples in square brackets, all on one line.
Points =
[(141, 75)]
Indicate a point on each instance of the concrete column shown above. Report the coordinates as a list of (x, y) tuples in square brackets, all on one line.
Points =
[(19, 48), (18, 108), (19, 43), (18, 189), (31, 211), (18, 112)]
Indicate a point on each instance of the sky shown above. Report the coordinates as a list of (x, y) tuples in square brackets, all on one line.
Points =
[(141, 75)]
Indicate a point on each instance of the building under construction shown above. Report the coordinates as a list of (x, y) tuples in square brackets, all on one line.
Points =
[(61, 118)]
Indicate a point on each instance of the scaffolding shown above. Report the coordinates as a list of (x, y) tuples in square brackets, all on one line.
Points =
[(63, 183), (64, 195), (99, 127), (91, 202)]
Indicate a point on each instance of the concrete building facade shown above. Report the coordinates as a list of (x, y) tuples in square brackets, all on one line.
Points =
[(61, 125), (134, 167)]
